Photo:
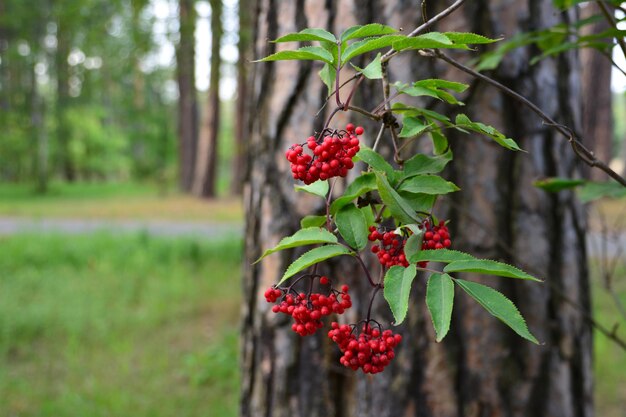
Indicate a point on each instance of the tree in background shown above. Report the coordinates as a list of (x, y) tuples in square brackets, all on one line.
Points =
[(187, 100), (482, 369), (205, 181)]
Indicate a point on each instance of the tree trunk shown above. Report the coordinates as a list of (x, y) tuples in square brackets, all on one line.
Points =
[(597, 103), (482, 368), (187, 101), (206, 170), (63, 97), (242, 104)]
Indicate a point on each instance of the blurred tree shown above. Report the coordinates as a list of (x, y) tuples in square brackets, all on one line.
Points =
[(187, 101), (241, 112), (481, 369), (596, 84), (207, 157)]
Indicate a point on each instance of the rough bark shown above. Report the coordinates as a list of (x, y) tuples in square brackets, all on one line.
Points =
[(597, 104), (242, 103), (482, 368), (205, 181), (187, 101)]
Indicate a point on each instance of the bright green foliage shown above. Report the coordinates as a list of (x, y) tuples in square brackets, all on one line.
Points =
[(302, 237), (439, 299), (412, 126), (398, 282), (488, 267), (318, 188), (441, 255), (312, 221), (306, 53), (373, 71), (555, 184), (312, 257), (498, 306), (428, 184), (309, 34), (398, 206), (361, 185), (463, 122), (352, 225), (375, 160), (423, 164), (366, 31), (367, 45)]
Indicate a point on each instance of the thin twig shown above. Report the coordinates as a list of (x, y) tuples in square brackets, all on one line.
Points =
[(583, 152), (611, 20)]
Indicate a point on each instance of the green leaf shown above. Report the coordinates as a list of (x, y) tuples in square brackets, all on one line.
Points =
[(373, 29), (413, 243), (312, 221), (419, 202), (498, 306), (412, 126), (327, 74), (437, 84), (361, 185), (366, 45), (464, 122), (488, 267), (352, 225), (310, 34), (310, 53), (303, 237), (312, 257), (318, 188), (469, 38), (375, 160), (439, 299), (373, 71), (428, 184), (440, 142), (431, 40), (555, 184), (596, 190), (398, 206), (398, 282), (422, 164), (441, 255)]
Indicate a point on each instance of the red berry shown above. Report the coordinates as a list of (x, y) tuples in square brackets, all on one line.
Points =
[(359, 131)]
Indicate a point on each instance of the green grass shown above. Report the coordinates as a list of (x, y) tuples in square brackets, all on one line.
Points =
[(102, 325), (610, 359), (113, 201)]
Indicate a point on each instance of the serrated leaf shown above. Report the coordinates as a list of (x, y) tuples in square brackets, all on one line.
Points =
[(398, 207), (309, 34), (364, 31), (303, 237), (361, 185), (438, 83), (306, 53), (498, 306), (318, 188), (414, 243), (415, 91), (412, 126), (440, 299), (375, 160), (469, 38), (373, 71), (327, 75), (312, 221), (464, 122), (441, 255), (366, 45), (312, 257), (556, 184), (488, 267), (419, 202), (352, 225), (428, 184), (440, 142), (431, 40), (422, 164), (397, 290), (596, 190)]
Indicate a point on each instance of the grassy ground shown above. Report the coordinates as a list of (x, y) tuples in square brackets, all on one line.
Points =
[(113, 201), (100, 325)]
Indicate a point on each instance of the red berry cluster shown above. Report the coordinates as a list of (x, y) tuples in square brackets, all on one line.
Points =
[(435, 237), (390, 252), (371, 351), (331, 158), (308, 309)]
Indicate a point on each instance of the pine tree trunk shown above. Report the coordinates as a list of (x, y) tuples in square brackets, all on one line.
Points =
[(597, 101), (205, 181), (187, 101), (482, 368)]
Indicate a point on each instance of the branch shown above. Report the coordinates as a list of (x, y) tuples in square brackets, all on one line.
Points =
[(583, 152), (425, 26), (611, 20)]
